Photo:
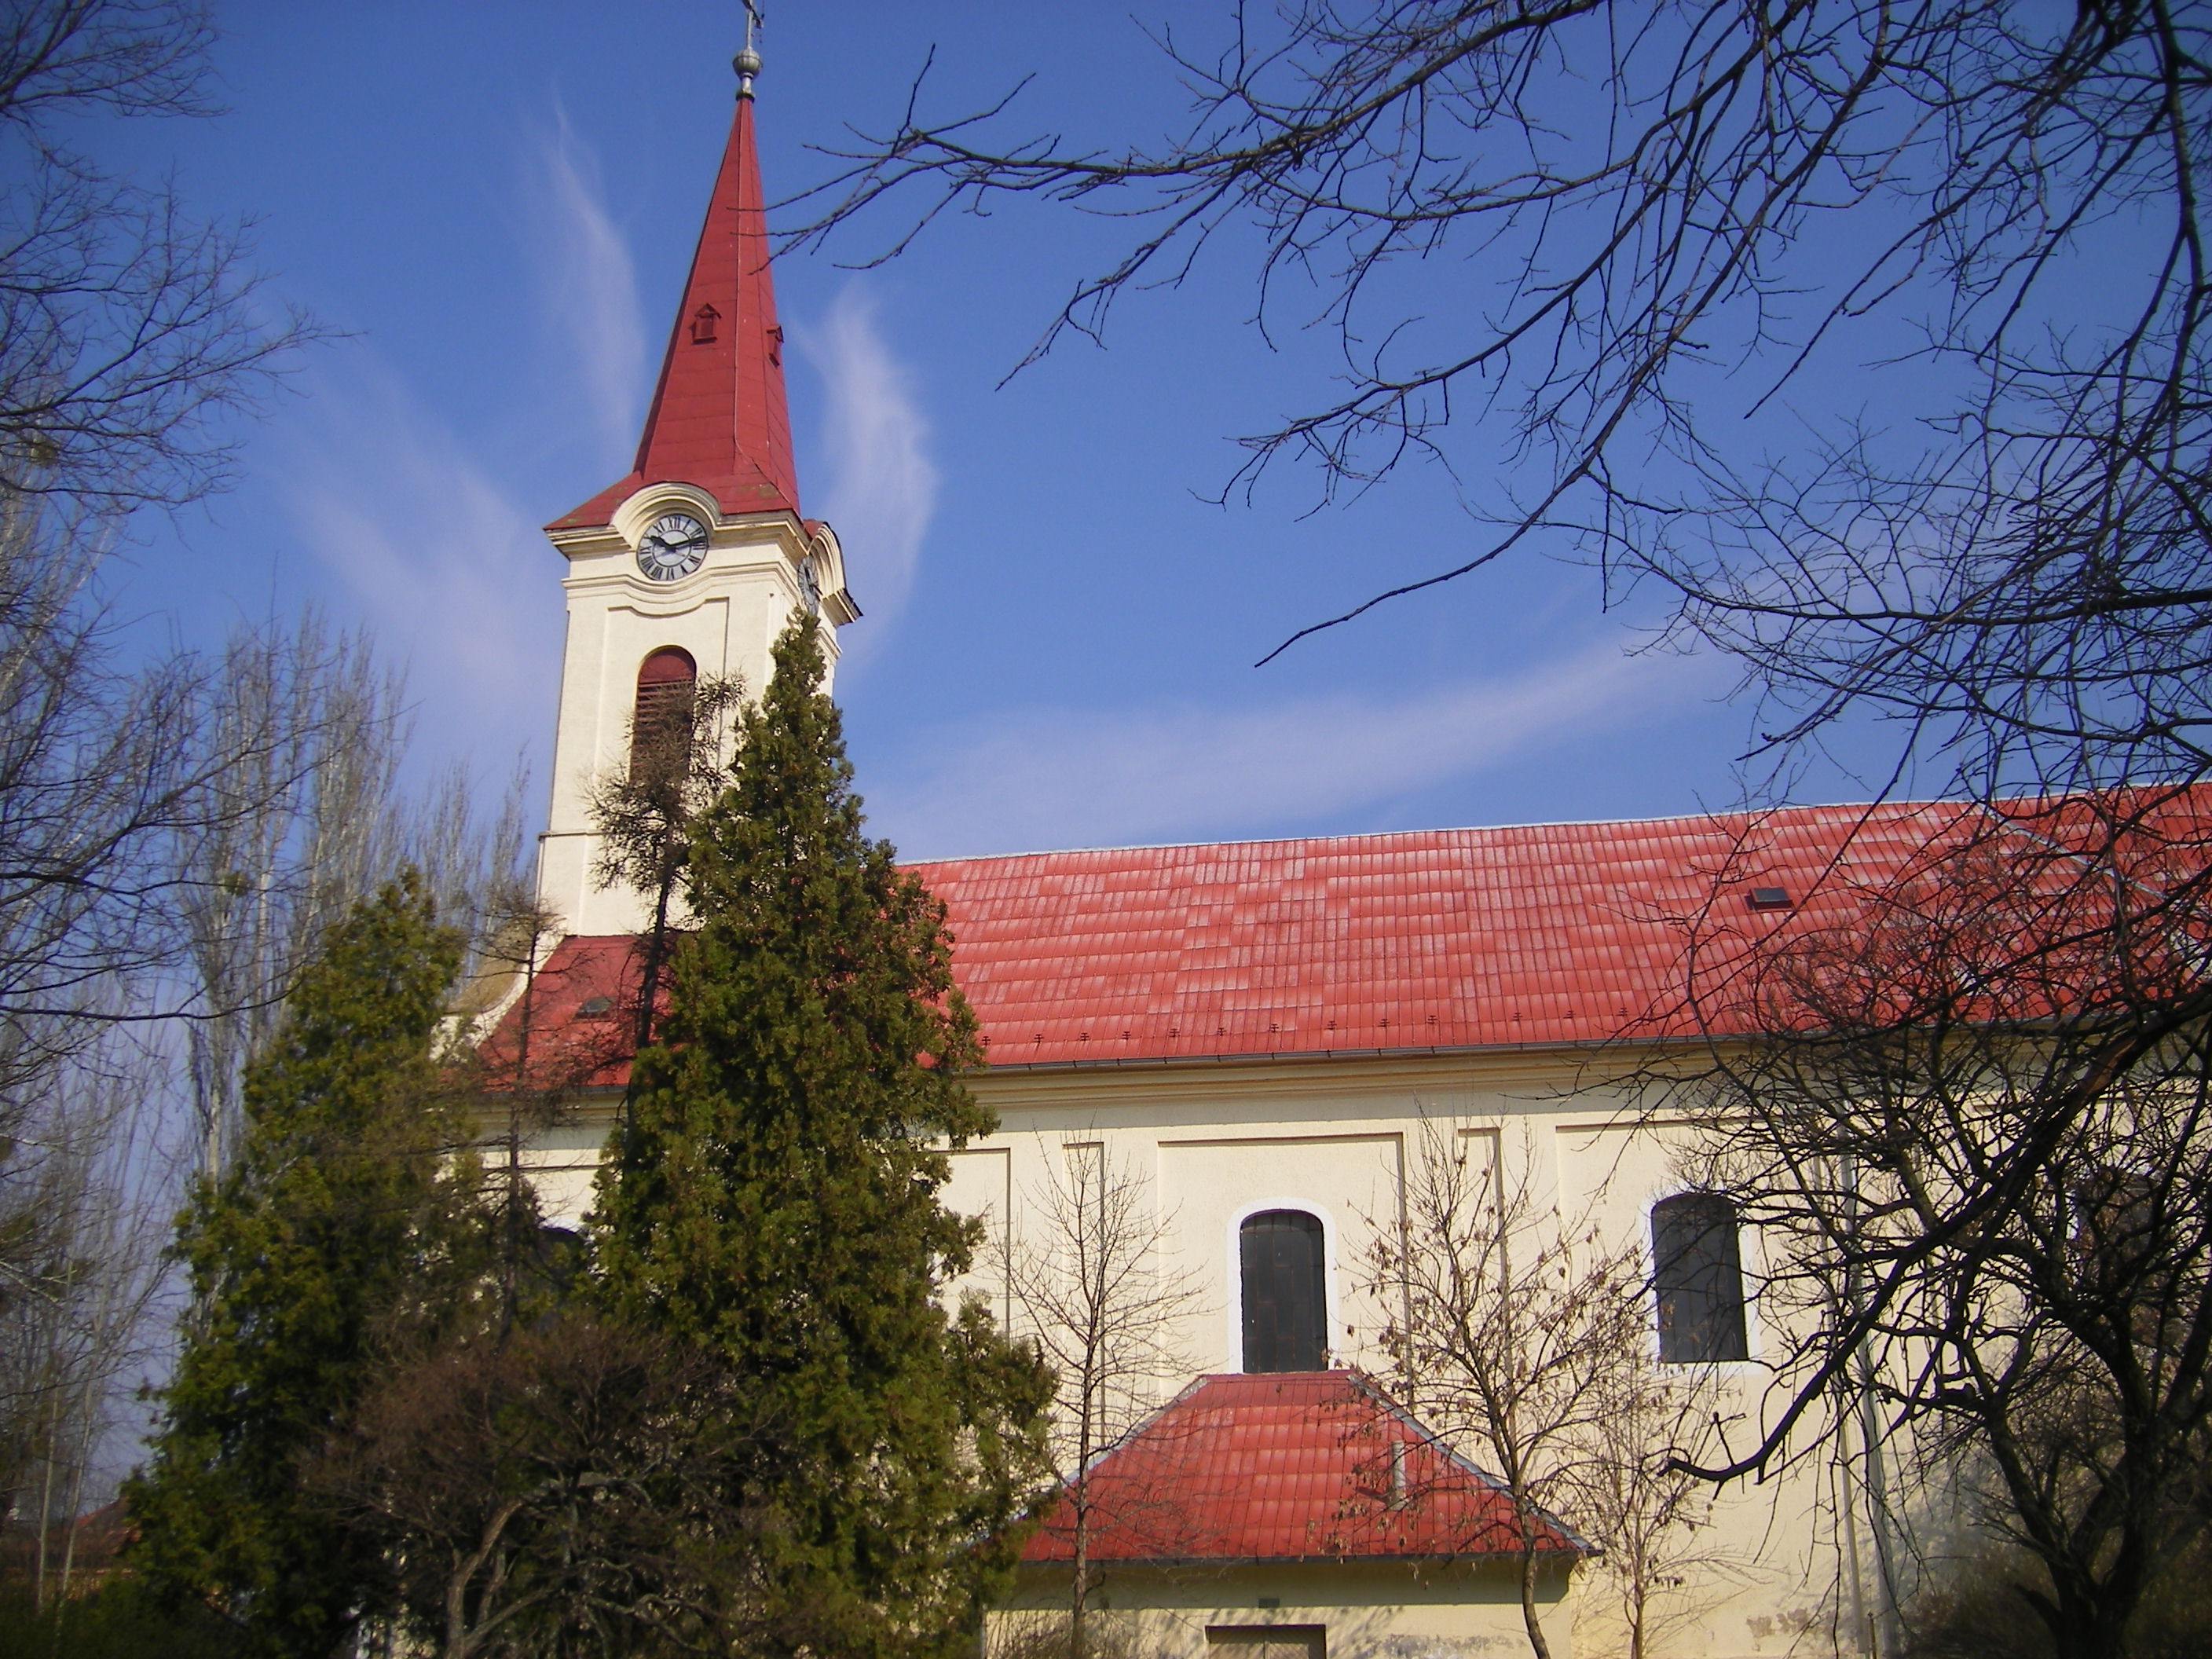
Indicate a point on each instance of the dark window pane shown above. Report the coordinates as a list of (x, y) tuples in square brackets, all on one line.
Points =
[(1286, 1292), (1698, 1279)]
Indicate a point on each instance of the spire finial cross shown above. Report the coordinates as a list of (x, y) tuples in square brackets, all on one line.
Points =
[(747, 62)]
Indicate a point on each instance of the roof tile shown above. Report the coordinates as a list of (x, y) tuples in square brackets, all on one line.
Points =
[(1531, 935), (1294, 1466)]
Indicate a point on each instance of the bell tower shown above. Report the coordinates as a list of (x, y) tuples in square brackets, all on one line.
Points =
[(693, 563)]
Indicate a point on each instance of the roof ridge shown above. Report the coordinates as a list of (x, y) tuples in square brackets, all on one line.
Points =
[(1466, 829)]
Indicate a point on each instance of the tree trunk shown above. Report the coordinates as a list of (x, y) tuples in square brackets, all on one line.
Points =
[(1536, 1642), (2080, 1631), (1080, 1592), (656, 957)]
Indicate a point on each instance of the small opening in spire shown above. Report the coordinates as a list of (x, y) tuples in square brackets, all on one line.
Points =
[(702, 324)]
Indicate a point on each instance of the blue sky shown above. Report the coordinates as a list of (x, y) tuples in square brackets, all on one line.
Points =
[(494, 203)]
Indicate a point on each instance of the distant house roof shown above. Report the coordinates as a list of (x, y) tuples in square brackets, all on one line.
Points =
[(95, 1540), (1441, 939), (1300, 1465)]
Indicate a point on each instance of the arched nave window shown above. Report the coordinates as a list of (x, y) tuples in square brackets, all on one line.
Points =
[(1285, 1277), (1697, 1272), (660, 725)]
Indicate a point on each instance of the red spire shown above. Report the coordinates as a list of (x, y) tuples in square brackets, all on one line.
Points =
[(719, 420)]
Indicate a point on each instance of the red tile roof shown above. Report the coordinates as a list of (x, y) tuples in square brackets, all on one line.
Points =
[(719, 417), (1296, 1467), (573, 1030), (1444, 938), (1435, 940)]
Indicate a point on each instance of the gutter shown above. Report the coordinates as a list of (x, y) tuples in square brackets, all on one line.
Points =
[(1296, 1055)]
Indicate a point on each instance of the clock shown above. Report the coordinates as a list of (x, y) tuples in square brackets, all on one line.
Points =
[(674, 548), (809, 585)]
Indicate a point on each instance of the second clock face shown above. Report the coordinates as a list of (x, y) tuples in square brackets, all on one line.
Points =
[(675, 546)]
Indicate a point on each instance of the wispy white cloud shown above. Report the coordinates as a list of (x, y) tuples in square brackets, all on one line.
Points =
[(450, 572), (427, 545), (882, 486), (1044, 778), (419, 535), (587, 282)]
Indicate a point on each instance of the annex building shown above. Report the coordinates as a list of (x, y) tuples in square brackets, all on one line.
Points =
[(1258, 1041)]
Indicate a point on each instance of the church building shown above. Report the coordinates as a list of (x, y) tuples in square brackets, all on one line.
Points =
[(1256, 1042)]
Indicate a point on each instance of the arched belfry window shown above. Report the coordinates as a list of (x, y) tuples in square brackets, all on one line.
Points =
[(1285, 1277), (660, 726), (1697, 1272)]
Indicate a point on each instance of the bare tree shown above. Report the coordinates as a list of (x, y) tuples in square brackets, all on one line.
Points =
[(550, 1494), (1650, 1517), (1092, 1285), (680, 759), (1956, 243), (89, 1188), (101, 769), (307, 814), (1524, 1343), (1971, 1118), (174, 834), (126, 329)]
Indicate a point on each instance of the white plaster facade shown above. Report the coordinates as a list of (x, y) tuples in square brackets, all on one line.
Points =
[(1216, 1141), (726, 614), (1316, 1611)]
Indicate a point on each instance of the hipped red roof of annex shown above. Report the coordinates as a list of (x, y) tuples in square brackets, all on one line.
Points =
[(1296, 1466)]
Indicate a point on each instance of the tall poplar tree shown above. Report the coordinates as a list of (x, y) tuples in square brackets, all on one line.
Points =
[(772, 1195), (344, 1222)]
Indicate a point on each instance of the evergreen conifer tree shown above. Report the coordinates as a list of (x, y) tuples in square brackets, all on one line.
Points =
[(772, 1195), (344, 1222)]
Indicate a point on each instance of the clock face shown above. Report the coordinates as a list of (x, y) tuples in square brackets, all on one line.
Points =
[(810, 584), (675, 546)]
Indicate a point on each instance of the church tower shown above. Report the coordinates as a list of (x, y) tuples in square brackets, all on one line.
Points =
[(691, 565)]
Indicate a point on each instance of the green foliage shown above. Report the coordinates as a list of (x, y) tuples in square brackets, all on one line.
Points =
[(341, 1231), (119, 1621), (772, 1195)]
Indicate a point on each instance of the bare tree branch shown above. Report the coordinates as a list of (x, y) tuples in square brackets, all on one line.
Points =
[(128, 331), (1968, 1109), (1093, 1287), (1980, 221)]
